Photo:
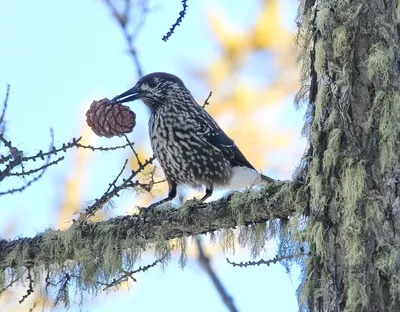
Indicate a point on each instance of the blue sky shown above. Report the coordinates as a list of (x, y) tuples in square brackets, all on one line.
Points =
[(58, 56)]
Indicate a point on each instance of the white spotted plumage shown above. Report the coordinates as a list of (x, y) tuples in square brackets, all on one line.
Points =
[(190, 146)]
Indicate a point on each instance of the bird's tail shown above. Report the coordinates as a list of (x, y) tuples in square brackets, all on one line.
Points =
[(268, 179)]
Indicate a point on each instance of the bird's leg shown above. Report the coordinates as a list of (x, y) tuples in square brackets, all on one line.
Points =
[(265, 178), (209, 191), (171, 196), (160, 202)]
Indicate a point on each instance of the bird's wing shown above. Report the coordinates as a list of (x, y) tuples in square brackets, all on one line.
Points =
[(214, 135)]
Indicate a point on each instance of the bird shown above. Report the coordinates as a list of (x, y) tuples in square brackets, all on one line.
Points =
[(188, 143)]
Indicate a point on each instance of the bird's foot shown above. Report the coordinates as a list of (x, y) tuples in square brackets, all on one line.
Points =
[(191, 204), (145, 210)]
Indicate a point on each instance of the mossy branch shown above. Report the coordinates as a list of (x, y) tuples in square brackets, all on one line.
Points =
[(140, 232)]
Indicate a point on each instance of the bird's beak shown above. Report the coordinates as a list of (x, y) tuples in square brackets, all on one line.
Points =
[(128, 96)]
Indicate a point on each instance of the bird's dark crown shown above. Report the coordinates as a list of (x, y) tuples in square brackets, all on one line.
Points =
[(157, 77), (154, 89)]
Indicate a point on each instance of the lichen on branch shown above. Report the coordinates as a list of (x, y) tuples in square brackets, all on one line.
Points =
[(95, 254)]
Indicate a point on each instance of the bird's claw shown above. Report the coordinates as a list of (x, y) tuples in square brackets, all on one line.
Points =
[(143, 211)]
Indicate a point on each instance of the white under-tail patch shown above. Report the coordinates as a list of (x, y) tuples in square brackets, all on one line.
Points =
[(243, 177)]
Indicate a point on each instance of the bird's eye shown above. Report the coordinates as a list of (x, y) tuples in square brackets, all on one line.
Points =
[(152, 84)]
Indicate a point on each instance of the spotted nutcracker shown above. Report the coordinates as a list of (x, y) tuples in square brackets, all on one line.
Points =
[(189, 145)]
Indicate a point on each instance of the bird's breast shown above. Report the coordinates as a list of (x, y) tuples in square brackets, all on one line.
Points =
[(183, 154)]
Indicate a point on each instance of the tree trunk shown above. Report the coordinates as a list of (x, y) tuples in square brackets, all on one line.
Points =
[(351, 56)]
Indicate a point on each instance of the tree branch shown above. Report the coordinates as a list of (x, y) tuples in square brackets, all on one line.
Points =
[(123, 18), (3, 113), (274, 201), (178, 21), (274, 260), (205, 263)]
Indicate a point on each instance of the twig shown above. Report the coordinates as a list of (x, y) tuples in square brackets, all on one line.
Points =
[(91, 210), (118, 176), (101, 148), (123, 21), (206, 101), (3, 113), (133, 150), (29, 291), (34, 306), (25, 173), (262, 261), (178, 21), (313, 73), (8, 286), (22, 188), (99, 203), (142, 19), (62, 294), (115, 282), (128, 274), (15, 154), (205, 263), (4, 159), (43, 168), (53, 150), (18, 159), (74, 143)]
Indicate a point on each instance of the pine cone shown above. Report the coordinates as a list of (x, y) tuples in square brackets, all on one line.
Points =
[(110, 120)]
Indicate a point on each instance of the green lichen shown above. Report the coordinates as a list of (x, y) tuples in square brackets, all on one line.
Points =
[(386, 261), (258, 239), (254, 237), (353, 183), (182, 246), (316, 183), (236, 205), (319, 109), (332, 121), (398, 11), (316, 235), (373, 214), (213, 238), (2, 279), (379, 62), (227, 240), (332, 151), (323, 19), (394, 288), (320, 57), (357, 297), (389, 129), (162, 248), (340, 41)]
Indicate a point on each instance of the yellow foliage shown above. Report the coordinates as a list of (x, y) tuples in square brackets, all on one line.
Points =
[(268, 31), (239, 106), (75, 183), (233, 43)]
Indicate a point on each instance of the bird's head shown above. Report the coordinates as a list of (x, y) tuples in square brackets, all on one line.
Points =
[(154, 89)]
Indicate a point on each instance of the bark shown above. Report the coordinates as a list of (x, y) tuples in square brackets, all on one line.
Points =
[(351, 56)]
